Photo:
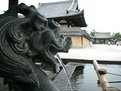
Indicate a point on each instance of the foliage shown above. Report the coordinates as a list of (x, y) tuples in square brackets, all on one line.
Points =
[(117, 36), (92, 33), (85, 32)]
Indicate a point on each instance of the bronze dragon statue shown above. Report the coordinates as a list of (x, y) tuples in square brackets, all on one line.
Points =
[(25, 41)]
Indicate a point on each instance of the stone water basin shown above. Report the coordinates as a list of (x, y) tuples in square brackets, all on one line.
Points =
[(83, 77)]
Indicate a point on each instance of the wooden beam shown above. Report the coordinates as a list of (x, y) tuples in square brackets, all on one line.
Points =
[(102, 79)]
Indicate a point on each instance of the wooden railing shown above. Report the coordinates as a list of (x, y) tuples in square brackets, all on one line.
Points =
[(102, 79)]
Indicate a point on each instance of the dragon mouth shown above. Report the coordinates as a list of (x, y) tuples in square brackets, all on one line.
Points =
[(52, 49), (48, 55)]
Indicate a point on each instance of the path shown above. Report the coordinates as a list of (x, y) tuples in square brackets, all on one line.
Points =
[(98, 52)]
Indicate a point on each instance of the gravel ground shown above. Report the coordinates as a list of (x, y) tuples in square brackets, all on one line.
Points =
[(97, 52)]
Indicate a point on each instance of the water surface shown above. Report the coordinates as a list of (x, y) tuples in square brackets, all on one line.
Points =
[(85, 78)]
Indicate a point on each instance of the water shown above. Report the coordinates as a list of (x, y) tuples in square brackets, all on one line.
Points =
[(61, 63), (113, 75), (85, 78)]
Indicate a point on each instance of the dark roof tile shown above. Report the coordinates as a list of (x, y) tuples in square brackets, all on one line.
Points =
[(63, 10), (102, 35), (58, 9)]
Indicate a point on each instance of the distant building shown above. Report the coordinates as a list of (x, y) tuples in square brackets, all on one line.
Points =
[(79, 38), (102, 38), (68, 15)]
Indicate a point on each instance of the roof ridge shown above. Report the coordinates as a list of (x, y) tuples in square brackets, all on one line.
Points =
[(71, 6), (47, 3), (102, 32)]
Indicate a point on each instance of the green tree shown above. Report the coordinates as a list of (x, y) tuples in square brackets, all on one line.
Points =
[(84, 32), (117, 36), (92, 33)]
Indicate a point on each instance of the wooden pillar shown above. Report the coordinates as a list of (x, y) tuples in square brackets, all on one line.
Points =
[(13, 3), (103, 81), (82, 41)]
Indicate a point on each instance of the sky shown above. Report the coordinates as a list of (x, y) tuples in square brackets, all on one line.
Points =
[(100, 15)]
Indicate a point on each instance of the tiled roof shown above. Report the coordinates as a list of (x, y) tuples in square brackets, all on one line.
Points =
[(58, 9), (75, 33), (72, 33), (63, 10), (102, 35)]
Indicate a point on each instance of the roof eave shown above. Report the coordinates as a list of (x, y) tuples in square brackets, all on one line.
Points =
[(77, 18)]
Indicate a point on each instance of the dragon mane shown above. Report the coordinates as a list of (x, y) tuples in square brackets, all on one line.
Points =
[(14, 49)]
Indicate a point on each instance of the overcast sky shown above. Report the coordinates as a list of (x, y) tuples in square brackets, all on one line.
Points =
[(100, 15)]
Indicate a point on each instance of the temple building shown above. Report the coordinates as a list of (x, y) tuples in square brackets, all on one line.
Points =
[(71, 19), (102, 38)]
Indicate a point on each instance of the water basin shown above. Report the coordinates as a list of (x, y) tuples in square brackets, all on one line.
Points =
[(84, 77)]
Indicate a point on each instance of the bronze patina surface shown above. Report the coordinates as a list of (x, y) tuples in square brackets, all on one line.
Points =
[(24, 41)]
